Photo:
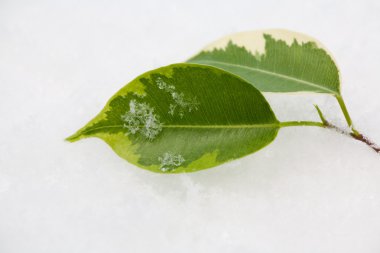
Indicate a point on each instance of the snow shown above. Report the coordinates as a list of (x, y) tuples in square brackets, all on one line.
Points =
[(312, 190)]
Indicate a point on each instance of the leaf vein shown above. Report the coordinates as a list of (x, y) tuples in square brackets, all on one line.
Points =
[(272, 125), (315, 85)]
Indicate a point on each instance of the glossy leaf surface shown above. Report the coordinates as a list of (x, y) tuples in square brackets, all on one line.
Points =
[(183, 118)]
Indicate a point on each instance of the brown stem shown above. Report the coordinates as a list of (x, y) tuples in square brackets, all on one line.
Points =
[(353, 132), (367, 141), (356, 135)]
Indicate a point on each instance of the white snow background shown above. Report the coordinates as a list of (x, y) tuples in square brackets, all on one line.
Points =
[(312, 190)]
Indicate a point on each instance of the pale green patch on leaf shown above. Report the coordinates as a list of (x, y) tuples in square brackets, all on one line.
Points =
[(184, 118), (275, 61)]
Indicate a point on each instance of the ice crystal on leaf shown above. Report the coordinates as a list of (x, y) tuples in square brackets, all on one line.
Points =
[(170, 161), (181, 103), (141, 118)]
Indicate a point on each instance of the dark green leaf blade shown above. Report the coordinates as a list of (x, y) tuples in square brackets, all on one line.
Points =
[(275, 61), (183, 118)]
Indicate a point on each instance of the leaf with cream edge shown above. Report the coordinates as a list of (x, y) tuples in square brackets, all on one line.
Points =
[(277, 60), (184, 118)]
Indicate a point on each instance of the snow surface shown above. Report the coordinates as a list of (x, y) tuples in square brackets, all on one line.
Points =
[(311, 191)]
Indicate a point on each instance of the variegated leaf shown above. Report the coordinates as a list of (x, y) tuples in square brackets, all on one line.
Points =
[(275, 61), (183, 118)]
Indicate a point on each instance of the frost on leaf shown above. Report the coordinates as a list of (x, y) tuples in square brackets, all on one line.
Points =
[(181, 103), (141, 119), (170, 161)]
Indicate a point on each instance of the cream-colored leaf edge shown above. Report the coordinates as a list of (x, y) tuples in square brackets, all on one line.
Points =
[(254, 40)]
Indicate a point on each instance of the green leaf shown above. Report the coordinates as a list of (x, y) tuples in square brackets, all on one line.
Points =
[(275, 61), (183, 118)]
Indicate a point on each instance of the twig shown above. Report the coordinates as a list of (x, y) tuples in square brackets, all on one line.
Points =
[(354, 133)]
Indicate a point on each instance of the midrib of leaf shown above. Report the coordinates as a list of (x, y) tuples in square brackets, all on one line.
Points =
[(193, 126), (316, 85), (272, 125)]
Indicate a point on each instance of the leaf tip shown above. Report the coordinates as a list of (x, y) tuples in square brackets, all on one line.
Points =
[(73, 138)]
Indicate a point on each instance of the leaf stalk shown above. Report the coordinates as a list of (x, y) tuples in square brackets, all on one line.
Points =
[(301, 123), (346, 114), (326, 124)]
